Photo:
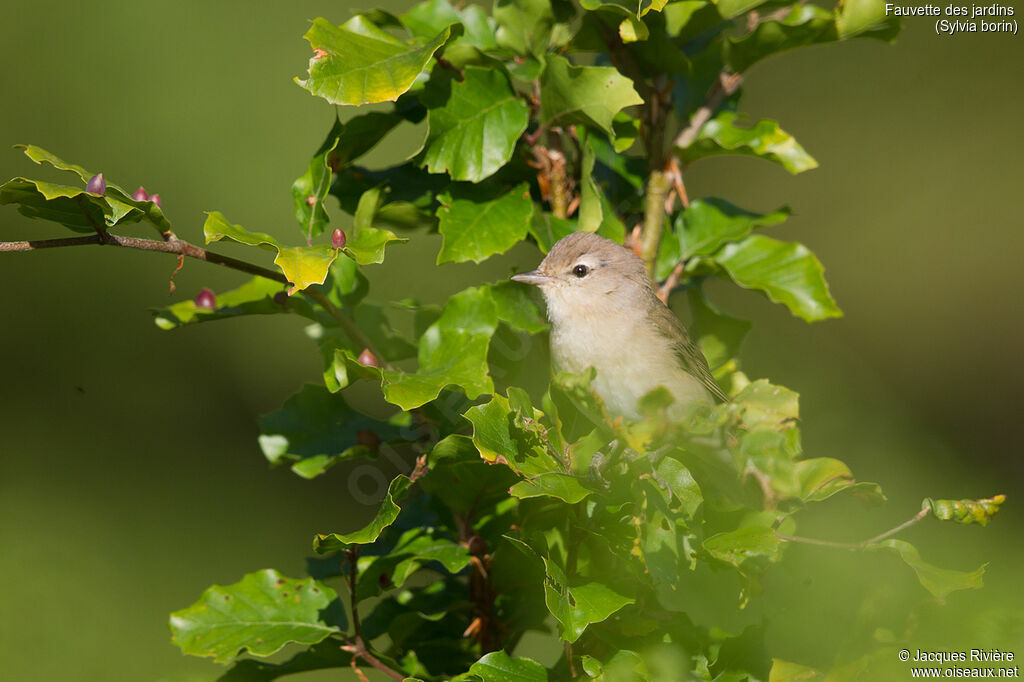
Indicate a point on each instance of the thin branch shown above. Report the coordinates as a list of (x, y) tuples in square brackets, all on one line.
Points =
[(348, 326), (654, 216), (174, 245), (855, 545), (359, 650), (728, 83)]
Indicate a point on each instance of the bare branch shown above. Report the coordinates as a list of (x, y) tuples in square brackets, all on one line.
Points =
[(855, 545), (728, 83)]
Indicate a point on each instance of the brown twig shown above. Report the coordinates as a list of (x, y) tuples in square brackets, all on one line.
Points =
[(728, 83), (358, 649), (855, 545)]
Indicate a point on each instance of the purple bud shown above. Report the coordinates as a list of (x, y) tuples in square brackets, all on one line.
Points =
[(477, 546), (140, 194), (368, 359), (155, 198), (206, 299), (281, 298), (384, 581), (338, 239), (96, 185)]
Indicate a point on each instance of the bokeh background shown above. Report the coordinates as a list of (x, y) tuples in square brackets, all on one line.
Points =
[(130, 478)]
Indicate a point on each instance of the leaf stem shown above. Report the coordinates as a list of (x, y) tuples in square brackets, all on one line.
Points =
[(359, 650), (856, 545), (347, 325)]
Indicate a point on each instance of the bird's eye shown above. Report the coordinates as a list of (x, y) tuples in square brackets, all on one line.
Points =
[(580, 270)]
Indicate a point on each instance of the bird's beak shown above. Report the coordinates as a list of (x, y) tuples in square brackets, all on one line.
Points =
[(531, 277)]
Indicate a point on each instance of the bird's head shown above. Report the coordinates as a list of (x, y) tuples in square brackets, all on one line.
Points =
[(590, 275)]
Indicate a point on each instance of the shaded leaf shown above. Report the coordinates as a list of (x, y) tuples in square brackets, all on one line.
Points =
[(516, 308), (547, 229), (706, 224), (591, 95), (475, 132), (732, 8), (866, 18), (461, 479), (259, 614), (767, 405), (315, 429), (524, 26), (939, 581), (358, 63), (386, 515), (786, 271), (591, 201), (507, 435), (319, 656), (718, 335), (764, 140), (737, 546), (310, 190), (804, 25), (477, 224)]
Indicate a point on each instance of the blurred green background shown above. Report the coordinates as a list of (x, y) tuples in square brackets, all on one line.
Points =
[(130, 478)]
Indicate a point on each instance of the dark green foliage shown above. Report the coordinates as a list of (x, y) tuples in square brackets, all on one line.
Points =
[(527, 511)]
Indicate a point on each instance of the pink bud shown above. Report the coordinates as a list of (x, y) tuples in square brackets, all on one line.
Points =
[(96, 184), (140, 194), (338, 238), (319, 54), (206, 299), (281, 298), (155, 198), (310, 200), (367, 358), (368, 439)]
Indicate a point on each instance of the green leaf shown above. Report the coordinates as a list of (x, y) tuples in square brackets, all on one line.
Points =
[(498, 666), (866, 18), (804, 25), (624, 666), (551, 484), (475, 132), (547, 229), (516, 308), (358, 63), (255, 297), (367, 244), (310, 190), (524, 26), (965, 511), (302, 265), (939, 581), (316, 429), (452, 351), (386, 515), (591, 202), (326, 654), (459, 478), (73, 207), (737, 546), (577, 607), (764, 140), (512, 435), (707, 224), (591, 95), (786, 271), (260, 614), (718, 335), (476, 224), (732, 8), (767, 405)]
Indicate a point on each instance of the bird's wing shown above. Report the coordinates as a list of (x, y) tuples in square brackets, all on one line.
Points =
[(691, 359)]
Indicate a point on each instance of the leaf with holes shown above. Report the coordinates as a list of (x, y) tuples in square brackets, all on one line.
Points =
[(259, 614)]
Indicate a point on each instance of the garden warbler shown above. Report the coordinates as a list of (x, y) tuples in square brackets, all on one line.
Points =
[(604, 314)]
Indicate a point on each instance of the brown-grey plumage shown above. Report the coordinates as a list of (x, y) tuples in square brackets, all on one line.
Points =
[(605, 314)]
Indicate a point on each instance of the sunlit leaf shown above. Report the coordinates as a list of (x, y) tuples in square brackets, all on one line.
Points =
[(786, 271), (578, 606), (524, 26), (804, 25), (867, 18), (255, 297), (584, 94), (475, 132), (504, 436), (477, 224), (722, 135), (706, 224), (498, 666), (259, 614), (551, 484), (737, 546), (358, 63)]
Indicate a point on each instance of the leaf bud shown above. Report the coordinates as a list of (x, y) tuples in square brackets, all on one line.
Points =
[(367, 358), (140, 194), (206, 299), (96, 185), (338, 238), (155, 198), (368, 439), (477, 546)]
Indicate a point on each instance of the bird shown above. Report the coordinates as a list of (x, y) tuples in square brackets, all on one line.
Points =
[(605, 314)]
